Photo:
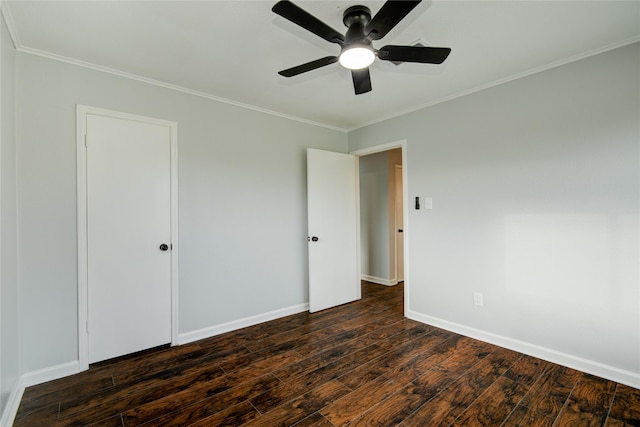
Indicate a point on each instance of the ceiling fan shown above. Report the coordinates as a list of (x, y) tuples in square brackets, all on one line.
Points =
[(357, 53)]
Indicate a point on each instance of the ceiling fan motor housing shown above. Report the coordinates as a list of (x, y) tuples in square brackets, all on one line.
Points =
[(356, 19)]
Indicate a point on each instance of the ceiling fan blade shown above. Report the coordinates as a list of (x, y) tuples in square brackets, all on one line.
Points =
[(299, 16), (424, 54), (361, 80), (294, 71), (389, 15)]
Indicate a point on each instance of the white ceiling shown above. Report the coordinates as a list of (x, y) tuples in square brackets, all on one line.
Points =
[(233, 49)]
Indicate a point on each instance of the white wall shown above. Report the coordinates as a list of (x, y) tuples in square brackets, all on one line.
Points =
[(374, 217), (242, 207), (9, 341), (535, 187)]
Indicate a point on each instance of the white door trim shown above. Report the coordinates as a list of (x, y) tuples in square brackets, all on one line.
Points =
[(82, 111), (402, 143), (396, 238)]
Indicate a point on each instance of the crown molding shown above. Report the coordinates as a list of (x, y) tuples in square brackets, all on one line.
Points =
[(6, 12), (170, 86), (11, 27), (504, 80)]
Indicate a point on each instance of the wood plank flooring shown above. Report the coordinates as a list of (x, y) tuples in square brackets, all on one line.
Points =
[(360, 364)]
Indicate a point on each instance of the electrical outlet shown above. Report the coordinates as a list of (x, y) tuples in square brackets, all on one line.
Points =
[(478, 300)]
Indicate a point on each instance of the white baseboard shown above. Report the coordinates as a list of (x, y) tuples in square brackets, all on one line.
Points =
[(239, 324), (629, 378), (52, 373), (33, 378), (379, 280), (10, 411)]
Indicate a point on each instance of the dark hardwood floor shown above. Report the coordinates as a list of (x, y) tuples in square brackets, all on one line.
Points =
[(361, 364)]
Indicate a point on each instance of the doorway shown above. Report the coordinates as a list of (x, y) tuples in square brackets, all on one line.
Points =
[(127, 226), (383, 214)]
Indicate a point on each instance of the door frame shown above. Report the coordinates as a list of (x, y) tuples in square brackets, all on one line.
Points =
[(82, 111), (396, 228), (402, 143)]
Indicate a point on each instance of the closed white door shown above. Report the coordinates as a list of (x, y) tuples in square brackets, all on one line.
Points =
[(128, 224), (334, 269)]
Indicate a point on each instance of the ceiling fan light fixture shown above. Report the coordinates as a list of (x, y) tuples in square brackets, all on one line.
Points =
[(357, 54), (357, 57)]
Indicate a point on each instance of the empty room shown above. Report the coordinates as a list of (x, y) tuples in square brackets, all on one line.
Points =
[(320, 213)]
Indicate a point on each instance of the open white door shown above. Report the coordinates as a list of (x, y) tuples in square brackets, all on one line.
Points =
[(334, 265)]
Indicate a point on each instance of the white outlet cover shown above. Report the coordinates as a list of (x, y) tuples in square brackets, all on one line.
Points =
[(477, 299)]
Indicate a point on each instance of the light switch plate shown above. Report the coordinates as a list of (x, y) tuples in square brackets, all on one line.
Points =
[(428, 203)]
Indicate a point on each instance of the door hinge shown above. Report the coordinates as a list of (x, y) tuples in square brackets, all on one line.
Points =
[(85, 140), (87, 326)]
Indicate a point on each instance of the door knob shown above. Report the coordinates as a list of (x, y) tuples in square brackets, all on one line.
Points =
[(164, 247), (399, 230), (312, 239)]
